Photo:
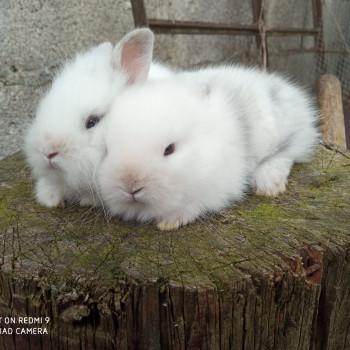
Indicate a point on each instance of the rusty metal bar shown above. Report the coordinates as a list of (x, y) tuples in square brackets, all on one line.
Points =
[(139, 13), (317, 13), (319, 43), (161, 26), (261, 40), (258, 28), (321, 51)]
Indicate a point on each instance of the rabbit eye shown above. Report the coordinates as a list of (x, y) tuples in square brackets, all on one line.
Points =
[(92, 121), (169, 150)]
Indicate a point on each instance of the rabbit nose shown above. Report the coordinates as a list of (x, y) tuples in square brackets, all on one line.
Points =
[(52, 155), (136, 191)]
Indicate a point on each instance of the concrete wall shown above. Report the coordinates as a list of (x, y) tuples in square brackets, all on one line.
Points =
[(191, 50), (37, 35)]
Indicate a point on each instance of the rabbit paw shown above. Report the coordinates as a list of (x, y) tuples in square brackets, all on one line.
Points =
[(49, 195), (270, 178), (169, 225), (87, 200), (270, 190)]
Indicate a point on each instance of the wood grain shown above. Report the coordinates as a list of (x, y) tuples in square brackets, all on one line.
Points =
[(331, 104)]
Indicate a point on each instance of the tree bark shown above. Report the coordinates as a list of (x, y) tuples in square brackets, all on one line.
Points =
[(268, 273)]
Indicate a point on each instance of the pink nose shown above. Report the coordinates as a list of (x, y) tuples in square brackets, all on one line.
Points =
[(136, 191), (52, 155)]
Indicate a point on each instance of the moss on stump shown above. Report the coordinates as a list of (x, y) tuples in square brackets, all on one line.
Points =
[(268, 273)]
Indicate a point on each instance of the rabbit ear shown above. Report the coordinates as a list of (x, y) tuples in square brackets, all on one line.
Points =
[(133, 54), (104, 47)]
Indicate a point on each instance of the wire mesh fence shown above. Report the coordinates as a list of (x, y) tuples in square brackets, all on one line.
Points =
[(334, 55), (335, 58)]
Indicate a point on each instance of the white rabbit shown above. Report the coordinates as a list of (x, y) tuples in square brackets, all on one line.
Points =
[(280, 116), (64, 145), (195, 143)]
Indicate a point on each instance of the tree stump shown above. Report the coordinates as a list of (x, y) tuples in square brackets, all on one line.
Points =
[(268, 273)]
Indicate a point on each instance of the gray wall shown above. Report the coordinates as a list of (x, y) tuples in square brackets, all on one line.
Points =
[(37, 35)]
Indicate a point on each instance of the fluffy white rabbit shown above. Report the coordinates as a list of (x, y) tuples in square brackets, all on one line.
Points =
[(64, 145), (193, 144)]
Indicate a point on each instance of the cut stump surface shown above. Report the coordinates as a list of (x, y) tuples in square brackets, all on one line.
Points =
[(268, 273)]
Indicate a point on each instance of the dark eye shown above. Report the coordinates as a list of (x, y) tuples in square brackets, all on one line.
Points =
[(169, 150), (92, 121)]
